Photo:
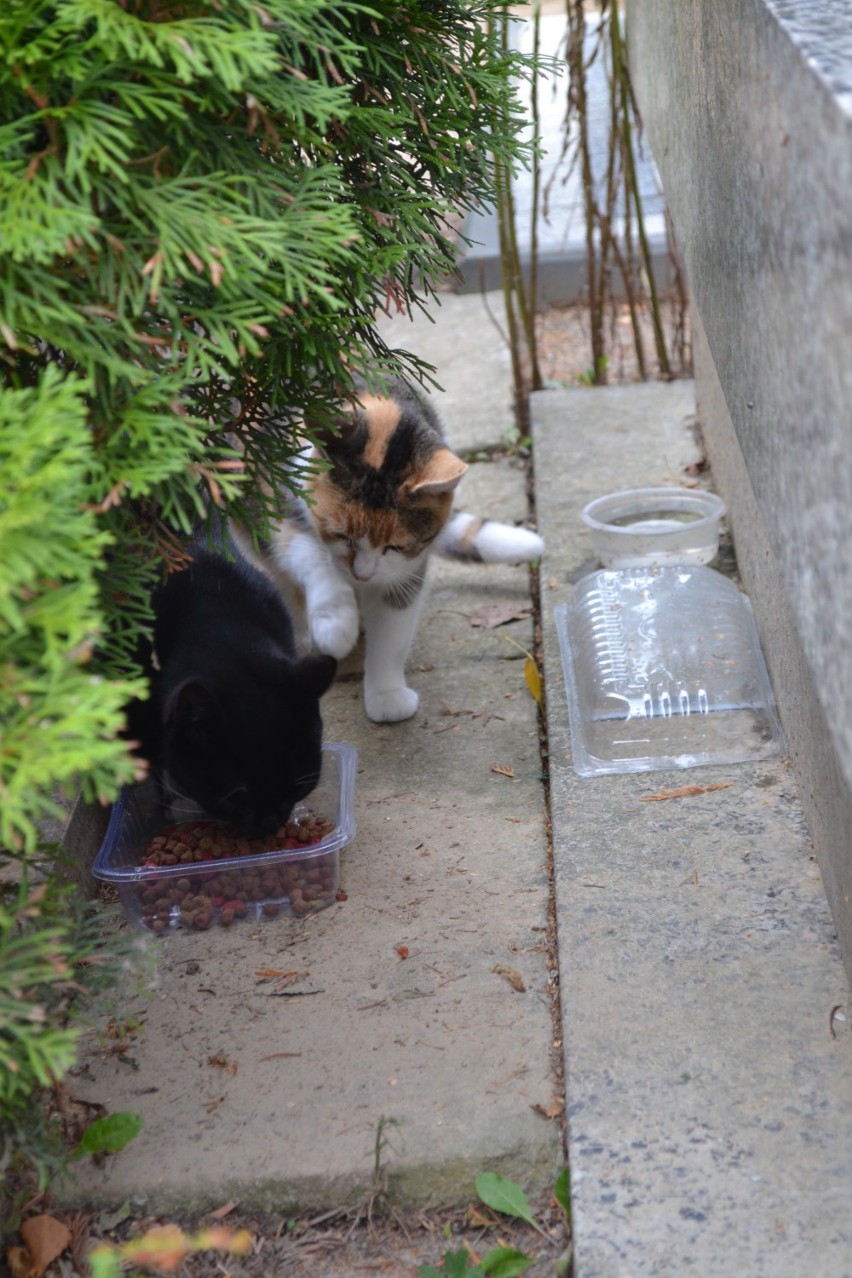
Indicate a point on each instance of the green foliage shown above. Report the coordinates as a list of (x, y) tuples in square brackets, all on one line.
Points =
[(52, 966), (108, 1135), (507, 1197), (501, 1194), (204, 206), (59, 715)]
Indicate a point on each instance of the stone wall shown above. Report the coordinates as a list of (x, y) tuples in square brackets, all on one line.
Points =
[(747, 106)]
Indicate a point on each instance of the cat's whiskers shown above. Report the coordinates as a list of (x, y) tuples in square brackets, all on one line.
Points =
[(238, 789), (402, 594)]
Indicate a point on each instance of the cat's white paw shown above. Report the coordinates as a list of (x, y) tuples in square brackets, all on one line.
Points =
[(335, 630), (392, 705)]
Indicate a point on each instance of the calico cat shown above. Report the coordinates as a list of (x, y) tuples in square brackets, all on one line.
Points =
[(232, 726), (356, 546)]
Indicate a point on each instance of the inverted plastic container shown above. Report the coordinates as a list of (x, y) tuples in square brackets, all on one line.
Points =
[(654, 525), (663, 669), (263, 885)]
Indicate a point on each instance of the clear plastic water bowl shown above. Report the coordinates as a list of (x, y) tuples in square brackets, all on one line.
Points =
[(654, 525), (663, 669)]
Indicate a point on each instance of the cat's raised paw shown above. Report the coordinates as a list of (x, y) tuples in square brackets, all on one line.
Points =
[(335, 631), (391, 706)]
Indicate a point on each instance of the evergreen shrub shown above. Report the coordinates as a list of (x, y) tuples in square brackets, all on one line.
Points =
[(204, 204)]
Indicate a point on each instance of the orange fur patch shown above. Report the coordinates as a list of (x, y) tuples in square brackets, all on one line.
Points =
[(383, 417)]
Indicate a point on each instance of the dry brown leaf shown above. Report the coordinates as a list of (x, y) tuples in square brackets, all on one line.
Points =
[(514, 978), (503, 769), (553, 1110), (224, 1210), (684, 791), (20, 1263), (220, 1061), (45, 1238), (498, 614)]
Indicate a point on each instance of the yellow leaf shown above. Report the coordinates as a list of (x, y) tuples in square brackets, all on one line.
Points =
[(532, 678), (503, 769)]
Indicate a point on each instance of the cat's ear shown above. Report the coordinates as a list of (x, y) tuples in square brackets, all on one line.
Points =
[(192, 708), (441, 474), (316, 673)]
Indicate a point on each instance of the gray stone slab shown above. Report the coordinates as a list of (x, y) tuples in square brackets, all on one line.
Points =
[(709, 1100), (747, 103), (463, 338), (269, 1090)]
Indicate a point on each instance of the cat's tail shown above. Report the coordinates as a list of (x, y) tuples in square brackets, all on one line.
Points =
[(475, 540)]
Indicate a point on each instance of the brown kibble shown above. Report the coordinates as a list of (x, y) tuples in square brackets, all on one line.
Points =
[(207, 893)]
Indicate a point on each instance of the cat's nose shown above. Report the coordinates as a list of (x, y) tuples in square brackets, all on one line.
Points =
[(363, 567)]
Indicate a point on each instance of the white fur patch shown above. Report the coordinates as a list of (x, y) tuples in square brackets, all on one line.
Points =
[(468, 537)]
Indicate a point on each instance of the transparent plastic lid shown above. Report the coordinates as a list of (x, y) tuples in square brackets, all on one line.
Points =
[(663, 669)]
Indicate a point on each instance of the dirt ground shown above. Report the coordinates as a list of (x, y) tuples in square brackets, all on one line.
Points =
[(381, 1239), (564, 344), (391, 1243)]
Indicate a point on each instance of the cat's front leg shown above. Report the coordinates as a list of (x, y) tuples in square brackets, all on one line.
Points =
[(388, 631), (330, 603)]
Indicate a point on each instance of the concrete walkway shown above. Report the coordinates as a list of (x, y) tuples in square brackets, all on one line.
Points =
[(709, 1097)]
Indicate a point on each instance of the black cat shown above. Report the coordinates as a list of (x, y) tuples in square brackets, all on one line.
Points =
[(233, 724)]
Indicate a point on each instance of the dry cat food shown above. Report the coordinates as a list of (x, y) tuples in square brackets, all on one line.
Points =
[(206, 893)]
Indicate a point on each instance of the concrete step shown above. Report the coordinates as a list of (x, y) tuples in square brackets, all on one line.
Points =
[(709, 1085), (394, 1011)]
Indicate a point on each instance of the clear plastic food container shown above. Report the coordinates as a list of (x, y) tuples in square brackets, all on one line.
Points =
[(199, 887), (663, 669), (654, 525)]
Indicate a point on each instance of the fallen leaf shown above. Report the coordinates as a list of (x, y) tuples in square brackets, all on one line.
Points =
[(220, 1061), (20, 1263), (224, 1210), (498, 614), (163, 1246), (45, 1238), (514, 978), (532, 678), (553, 1110), (454, 714), (502, 769), (683, 792)]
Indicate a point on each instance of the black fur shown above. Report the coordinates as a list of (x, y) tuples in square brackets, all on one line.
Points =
[(233, 722)]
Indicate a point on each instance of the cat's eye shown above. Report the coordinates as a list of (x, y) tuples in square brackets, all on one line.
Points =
[(398, 549)]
